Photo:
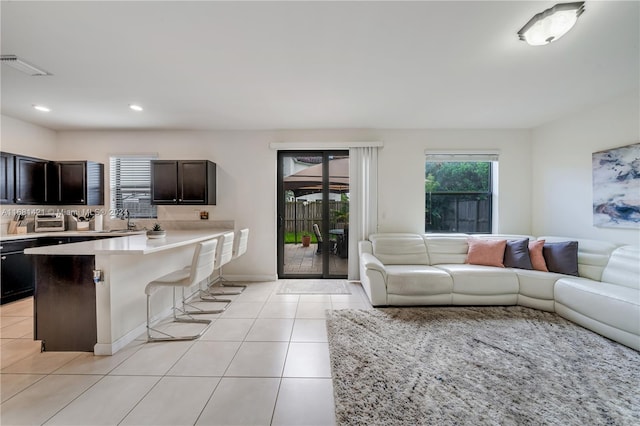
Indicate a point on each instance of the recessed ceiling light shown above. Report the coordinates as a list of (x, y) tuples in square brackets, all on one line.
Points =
[(42, 108), (135, 107)]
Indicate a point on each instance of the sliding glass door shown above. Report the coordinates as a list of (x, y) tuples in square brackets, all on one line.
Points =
[(313, 214)]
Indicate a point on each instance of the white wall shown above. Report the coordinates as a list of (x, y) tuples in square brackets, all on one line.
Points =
[(28, 139), (544, 179), (401, 179), (247, 174), (562, 187), (19, 137)]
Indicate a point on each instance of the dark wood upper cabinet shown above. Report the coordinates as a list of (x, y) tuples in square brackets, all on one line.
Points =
[(31, 177), (79, 182), (164, 182), (183, 182), (30, 180), (7, 183)]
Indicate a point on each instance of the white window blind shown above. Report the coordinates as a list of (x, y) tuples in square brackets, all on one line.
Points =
[(130, 182), (439, 157)]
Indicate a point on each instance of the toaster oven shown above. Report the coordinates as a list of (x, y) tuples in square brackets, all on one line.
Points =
[(47, 222)]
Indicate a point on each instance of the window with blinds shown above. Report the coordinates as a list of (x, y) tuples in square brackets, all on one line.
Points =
[(130, 182)]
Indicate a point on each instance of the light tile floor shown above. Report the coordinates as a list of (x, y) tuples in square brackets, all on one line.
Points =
[(265, 361)]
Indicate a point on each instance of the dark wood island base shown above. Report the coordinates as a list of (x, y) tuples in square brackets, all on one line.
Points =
[(65, 303)]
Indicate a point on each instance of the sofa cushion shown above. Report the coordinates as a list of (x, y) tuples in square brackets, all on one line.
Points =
[(561, 257), (612, 304), (417, 280), (536, 256), (481, 280), (447, 248), (486, 252), (537, 284), (623, 267), (516, 254), (400, 249)]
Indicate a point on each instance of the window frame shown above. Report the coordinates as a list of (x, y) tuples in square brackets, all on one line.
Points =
[(491, 194)]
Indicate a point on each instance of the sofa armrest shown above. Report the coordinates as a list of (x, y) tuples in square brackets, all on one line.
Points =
[(369, 261), (373, 277)]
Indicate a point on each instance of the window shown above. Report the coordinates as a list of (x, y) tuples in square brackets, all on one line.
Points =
[(459, 192), (130, 183)]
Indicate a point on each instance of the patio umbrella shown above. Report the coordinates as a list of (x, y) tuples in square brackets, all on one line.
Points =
[(309, 180)]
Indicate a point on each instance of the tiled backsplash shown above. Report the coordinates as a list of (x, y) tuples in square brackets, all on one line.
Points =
[(170, 217)]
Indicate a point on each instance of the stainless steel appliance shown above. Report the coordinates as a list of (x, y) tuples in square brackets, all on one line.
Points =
[(47, 222)]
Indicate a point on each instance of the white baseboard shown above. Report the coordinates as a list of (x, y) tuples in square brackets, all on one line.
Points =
[(250, 278)]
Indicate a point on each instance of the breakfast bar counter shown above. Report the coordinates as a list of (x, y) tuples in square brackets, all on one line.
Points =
[(75, 312)]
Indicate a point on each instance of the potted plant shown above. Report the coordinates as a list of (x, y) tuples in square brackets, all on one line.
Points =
[(306, 240), (156, 232)]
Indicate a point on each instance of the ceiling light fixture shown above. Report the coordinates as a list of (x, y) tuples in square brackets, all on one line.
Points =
[(135, 107), (14, 62), (42, 108), (551, 24)]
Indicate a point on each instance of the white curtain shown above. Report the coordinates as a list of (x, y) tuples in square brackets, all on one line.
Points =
[(363, 201)]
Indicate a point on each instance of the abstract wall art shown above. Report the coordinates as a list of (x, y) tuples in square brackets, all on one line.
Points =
[(616, 187)]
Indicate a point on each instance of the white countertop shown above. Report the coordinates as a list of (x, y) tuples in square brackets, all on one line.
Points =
[(130, 244), (114, 233)]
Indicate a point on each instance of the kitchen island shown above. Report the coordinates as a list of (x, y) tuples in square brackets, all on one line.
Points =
[(74, 313)]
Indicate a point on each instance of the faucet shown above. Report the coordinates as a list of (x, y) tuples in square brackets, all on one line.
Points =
[(130, 225)]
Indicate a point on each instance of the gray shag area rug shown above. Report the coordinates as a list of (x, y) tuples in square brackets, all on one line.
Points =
[(476, 366), (313, 287)]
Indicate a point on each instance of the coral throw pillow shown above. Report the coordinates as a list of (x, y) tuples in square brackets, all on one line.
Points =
[(486, 252), (536, 256)]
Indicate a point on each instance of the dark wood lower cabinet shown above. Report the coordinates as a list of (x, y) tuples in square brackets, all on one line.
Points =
[(65, 303), (16, 269)]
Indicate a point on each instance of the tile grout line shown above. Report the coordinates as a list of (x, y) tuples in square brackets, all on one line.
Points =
[(275, 403), (265, 302)]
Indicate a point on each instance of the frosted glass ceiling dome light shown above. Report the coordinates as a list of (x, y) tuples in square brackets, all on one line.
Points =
[(551, 24), (135, 107)]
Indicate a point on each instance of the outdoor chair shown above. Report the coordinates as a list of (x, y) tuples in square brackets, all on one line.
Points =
[(332, 243)]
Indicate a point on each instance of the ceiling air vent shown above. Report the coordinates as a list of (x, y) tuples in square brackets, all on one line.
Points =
[(17, 63)]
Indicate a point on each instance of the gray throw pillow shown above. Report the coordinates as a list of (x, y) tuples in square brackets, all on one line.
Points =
[(516, 254), (561, 257)]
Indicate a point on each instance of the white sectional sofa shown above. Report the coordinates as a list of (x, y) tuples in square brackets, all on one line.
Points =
[(430, 269)]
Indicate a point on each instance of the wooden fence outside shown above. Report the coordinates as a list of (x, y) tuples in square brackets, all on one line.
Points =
[(299, 218)]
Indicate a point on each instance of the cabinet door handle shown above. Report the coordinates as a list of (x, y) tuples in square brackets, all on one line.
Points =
[(82, 200), (3, 257), (174, 199), (180, 199)]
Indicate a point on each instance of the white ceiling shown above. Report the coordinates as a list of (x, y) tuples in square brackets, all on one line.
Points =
[(310, 65)]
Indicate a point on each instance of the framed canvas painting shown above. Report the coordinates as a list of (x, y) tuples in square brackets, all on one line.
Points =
[(616, 187)]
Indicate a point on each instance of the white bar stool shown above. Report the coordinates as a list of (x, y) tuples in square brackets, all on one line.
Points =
[(239, 248), (202, 267)]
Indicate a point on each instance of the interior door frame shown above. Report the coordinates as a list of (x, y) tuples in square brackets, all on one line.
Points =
[(325, 154)]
